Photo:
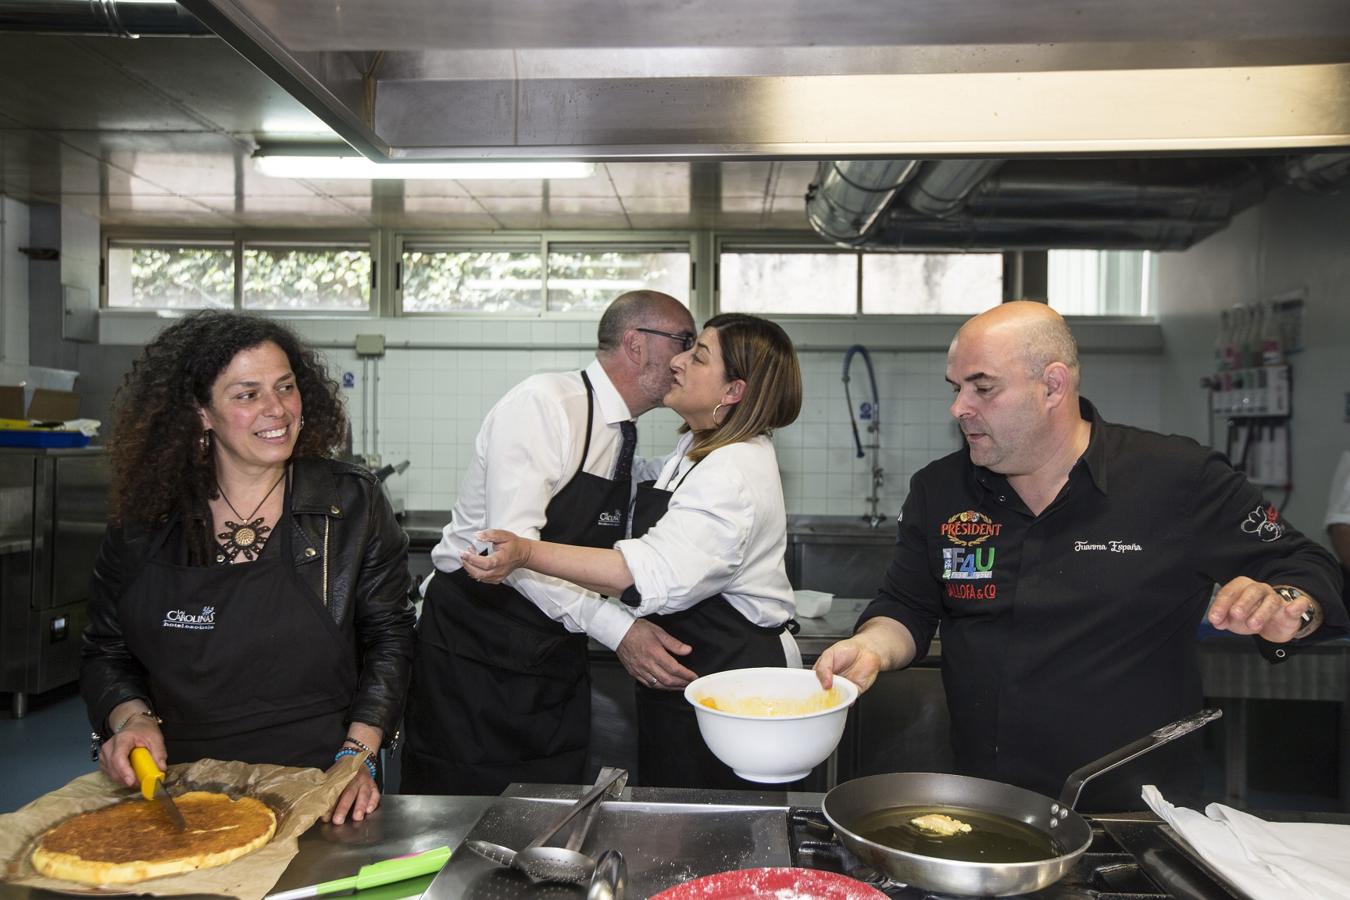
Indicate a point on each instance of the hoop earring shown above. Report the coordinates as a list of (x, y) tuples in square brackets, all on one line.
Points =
[(714, 415)]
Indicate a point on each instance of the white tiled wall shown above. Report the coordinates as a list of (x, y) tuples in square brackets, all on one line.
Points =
[(438, 378), (431, 403)]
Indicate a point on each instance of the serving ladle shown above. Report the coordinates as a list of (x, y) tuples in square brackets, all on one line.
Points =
[(564, 864), (610, 879)]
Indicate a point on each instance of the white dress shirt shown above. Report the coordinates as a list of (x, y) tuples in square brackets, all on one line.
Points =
[(725, 532), (526, 452)]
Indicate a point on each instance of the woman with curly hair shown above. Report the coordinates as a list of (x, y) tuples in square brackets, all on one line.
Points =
[(706, 558), (250, 599)]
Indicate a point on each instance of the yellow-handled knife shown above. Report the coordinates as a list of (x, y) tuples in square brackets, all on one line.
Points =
[(152, 785)]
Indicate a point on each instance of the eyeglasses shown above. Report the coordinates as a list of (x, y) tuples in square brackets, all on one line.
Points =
[(686, 340)]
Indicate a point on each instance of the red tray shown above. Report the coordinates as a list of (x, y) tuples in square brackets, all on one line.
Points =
[(761, 884)]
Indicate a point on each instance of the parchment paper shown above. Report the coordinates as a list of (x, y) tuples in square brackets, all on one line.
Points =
[(298, 797)]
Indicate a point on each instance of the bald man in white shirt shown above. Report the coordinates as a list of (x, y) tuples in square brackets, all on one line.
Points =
[(501, 687)]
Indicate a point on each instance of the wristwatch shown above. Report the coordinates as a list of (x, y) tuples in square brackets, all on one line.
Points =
[(1290, 594)]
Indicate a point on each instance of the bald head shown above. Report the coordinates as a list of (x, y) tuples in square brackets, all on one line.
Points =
[(1029, 332), (641, 309), (639, 334)]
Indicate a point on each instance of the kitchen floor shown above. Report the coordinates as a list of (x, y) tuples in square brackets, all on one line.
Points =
[(50, 746), (45, 749)]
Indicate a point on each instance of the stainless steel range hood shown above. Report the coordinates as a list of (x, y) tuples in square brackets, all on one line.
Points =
[(649, 79)]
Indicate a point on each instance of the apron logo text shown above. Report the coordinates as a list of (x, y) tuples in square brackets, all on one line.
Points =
[(180, 618), (612, 519), (960, 564)]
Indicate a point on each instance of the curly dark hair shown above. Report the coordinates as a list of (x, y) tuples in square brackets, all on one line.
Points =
[(158, 467)]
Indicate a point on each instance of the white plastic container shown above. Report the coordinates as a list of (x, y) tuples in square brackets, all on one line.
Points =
[(813, 604)]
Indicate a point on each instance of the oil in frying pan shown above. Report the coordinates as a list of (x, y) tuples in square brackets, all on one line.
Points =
[(992, 838)]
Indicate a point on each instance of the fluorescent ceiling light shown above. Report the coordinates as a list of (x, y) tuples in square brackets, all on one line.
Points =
[(328, 166)]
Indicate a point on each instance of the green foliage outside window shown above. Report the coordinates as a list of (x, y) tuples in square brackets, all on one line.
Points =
[(306, 279), (171, 277), (502, 281), (275, 278), (587, 280)]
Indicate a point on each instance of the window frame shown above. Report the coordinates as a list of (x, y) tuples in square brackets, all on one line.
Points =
[(795, 242), (450, 240), (238, 240)]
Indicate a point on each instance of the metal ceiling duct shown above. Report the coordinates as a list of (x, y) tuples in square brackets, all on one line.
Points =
[(1156, 204), (1318, 173), (847, 196), (942, 188), (95, 18)]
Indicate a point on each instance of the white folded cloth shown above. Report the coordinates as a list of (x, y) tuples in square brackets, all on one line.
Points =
[(1265, 860)]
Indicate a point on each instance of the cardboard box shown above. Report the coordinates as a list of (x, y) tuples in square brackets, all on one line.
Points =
[(11, 402), (38, 393), (54, 406)]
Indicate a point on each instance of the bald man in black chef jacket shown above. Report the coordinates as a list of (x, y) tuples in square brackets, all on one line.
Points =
[(1069, 561)]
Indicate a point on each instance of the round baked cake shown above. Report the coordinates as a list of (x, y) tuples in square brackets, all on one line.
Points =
[(132, 841)]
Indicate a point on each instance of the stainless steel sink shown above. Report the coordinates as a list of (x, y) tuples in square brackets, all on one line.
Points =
[(850, 526)]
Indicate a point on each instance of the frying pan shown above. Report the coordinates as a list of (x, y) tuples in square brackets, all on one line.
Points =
[(851, 805)]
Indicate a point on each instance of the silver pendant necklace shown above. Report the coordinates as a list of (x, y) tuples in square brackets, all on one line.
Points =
[(247, 537)]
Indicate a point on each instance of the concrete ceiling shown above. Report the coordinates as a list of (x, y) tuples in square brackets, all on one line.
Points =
[(159, 131)]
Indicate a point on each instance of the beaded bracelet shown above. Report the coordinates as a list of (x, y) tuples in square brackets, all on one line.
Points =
[(348, 751), (359, 745)]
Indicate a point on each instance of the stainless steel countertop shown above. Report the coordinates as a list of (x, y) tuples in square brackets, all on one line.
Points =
[(403, 824), (424, 526), (409, 824)]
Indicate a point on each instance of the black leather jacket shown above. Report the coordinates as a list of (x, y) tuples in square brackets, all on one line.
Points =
[(335, 506)]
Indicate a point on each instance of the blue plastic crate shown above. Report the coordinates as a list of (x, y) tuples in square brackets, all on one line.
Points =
[(39, 438)]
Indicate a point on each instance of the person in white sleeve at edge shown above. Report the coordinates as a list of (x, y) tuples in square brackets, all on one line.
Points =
[(706, 557), (1338, 521), (501, 681), (1338, 516)]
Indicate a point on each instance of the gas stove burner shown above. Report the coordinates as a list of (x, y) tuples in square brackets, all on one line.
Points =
[(1125, 861)]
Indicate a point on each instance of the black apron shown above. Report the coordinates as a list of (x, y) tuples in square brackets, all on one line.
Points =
[(671, 752), (244, 662), (500, 692)]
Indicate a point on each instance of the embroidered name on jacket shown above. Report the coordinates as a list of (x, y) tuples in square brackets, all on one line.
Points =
[(181, 618), (1109, 546)]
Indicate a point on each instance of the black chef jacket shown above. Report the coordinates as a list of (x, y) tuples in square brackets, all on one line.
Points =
[(1071, 633)]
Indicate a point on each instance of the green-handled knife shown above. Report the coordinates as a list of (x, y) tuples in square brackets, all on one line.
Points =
[(386, 871)]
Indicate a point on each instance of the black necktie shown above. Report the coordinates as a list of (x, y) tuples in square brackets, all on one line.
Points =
[(623, 470)]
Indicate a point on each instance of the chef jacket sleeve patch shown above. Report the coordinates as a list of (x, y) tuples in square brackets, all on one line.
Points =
[(1235, 531)]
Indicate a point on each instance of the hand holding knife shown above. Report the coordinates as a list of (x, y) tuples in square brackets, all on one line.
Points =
[(152, 785)]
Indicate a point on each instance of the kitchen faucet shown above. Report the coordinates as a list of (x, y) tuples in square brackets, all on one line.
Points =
[(871, 413)]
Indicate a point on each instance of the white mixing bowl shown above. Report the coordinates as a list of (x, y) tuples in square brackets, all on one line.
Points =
[(770, 749)]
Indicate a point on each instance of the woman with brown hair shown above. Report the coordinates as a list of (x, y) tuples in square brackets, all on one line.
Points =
[(706, 558), (249, 601)]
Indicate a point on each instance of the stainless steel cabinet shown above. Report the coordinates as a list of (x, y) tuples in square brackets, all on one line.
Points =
[(53, 510)]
